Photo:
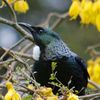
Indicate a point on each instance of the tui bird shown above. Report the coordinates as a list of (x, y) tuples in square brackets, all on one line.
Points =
[(50, 48)]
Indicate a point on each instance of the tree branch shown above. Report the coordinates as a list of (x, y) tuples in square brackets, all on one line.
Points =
[(60, 18), (19, 54), (6, 62), (16, 44), (14, 19), (89, 96), (94, 84), (17, 27)]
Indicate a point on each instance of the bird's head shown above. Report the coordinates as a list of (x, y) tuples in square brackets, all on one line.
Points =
[(42, 36)]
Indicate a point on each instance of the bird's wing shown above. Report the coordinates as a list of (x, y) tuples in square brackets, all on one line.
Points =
[(75, 66), (83, 66)]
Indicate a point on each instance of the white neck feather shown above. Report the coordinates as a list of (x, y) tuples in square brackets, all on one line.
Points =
[(36, 52)]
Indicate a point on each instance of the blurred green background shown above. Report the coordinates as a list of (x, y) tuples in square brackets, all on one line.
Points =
[(78, 37)]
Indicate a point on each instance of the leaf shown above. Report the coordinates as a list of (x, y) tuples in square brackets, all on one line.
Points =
[(28, 97), (52, 77), (53, 65)]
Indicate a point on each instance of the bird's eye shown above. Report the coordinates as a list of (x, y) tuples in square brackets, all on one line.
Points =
[(40, 30)]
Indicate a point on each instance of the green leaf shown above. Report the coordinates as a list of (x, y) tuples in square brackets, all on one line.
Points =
[(28, 97), (53, 65), (52, 77)]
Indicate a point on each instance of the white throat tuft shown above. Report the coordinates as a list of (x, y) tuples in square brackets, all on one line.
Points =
[(36, 52)]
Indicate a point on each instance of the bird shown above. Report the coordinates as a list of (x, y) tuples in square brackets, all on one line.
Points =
[(11, 94), (49, 47)]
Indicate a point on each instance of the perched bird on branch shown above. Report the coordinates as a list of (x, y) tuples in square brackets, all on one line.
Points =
[(51, 48)]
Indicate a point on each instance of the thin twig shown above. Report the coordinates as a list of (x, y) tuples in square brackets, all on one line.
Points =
[(94, 84), (19, 54), (29, 90), (22, 54), (60, 17), (27, 47), (37, 85), (17, 27), (59, 20), (94, 46), (6, 62), (14, 19), (56, 23), (92, 51), (16, 44), (2, 77), (89, 96)]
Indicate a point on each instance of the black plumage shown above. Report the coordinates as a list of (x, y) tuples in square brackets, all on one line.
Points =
[(53, 49)]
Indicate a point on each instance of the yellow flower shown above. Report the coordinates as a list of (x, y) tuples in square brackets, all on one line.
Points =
[(30, 86), (72, 97), (94, 71), (9, 1), (96, 74), (45, 91), (90, 70), (52, 98), (75, 0), (83, 3), (11, 94), (38, 98), (96, 6), (86, 12), (90, 64), (97, 60), (98, 22), (95, 11), (90, 86), (74, 9), (21, 6)]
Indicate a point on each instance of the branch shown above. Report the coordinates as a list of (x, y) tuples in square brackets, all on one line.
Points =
[(94, 84), (19, 54), (17, 27), (94, 53), (89, 96), (6, 62), (60, 18), (16, 44), (14, 19), (56, 23), (27, 47), (94, 46)]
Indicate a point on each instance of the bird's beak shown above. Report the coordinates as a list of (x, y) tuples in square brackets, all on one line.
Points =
[(31, 28), (28, 26)]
